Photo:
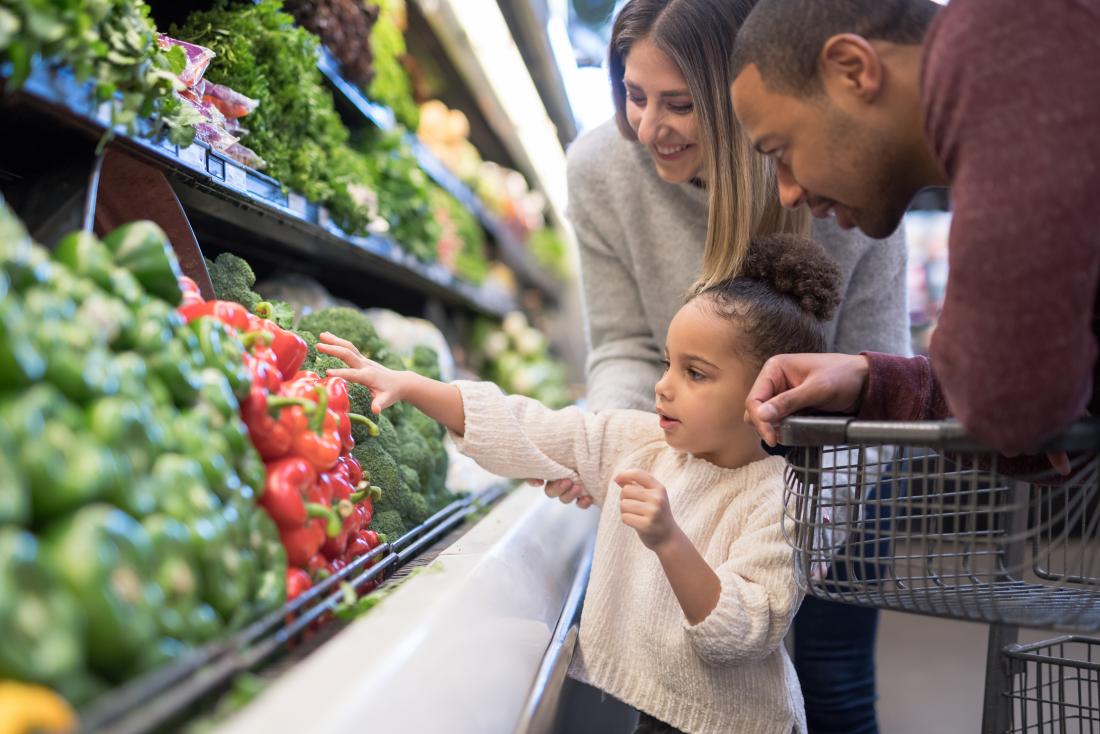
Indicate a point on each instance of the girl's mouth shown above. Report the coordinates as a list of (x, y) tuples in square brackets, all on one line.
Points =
[(667, 422)]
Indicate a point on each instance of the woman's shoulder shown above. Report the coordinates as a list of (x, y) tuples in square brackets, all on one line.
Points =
[(600, 155), (847, 247)]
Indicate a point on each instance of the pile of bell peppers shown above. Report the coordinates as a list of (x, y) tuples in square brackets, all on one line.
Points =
[(130, 528), (301, 425)]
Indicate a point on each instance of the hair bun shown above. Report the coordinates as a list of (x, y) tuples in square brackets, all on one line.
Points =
[(798, 268)]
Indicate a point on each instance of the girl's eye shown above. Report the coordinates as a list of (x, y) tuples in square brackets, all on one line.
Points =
[(666, 363), (695, 375)]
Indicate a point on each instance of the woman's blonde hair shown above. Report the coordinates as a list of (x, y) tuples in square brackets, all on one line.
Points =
[(698, 36)]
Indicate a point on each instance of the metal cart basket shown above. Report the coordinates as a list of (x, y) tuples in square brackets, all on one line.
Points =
[(1054, 686), (917, 517)]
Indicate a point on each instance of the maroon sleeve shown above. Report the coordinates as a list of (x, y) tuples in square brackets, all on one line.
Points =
[(1011, 92), (900, 389)]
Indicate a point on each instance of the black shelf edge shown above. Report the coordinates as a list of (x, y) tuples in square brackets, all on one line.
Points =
[(511, 250), (221, 187)]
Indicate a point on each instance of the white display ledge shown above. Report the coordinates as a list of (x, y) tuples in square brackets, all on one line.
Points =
[(455, 648)]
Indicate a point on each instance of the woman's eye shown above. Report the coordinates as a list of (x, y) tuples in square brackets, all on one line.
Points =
[(681, 109), (635, 99)]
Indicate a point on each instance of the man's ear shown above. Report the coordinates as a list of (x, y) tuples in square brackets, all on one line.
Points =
[(850, 64)]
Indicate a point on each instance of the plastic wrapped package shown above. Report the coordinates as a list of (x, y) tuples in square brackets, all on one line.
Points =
[(229, 102), (212, 129), (403, 334), (246, 156), (198, 58)]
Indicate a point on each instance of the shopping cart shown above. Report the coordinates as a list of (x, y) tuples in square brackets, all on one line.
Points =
[(917, 517)]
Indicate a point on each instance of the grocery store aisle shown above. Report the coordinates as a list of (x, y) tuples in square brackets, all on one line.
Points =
[(931, 672)]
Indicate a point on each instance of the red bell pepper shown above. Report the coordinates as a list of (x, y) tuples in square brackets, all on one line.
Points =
[(350, 468), (290, 349), (288, 482), (191, 292), (341, 492), (270, 436), (318, 441), (229, 313), (263, 371), (297, 583)]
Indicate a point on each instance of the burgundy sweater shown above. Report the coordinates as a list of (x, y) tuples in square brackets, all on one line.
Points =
[(1011, 97)]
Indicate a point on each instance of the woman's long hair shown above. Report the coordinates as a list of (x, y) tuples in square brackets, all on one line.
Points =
[(698, 36)]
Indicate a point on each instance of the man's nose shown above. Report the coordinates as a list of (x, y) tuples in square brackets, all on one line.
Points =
[(791, 195)]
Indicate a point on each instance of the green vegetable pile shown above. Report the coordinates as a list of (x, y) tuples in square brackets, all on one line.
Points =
[(517, 357), (128, 525), (550, 251), (263, 55), (112, 43), (461, 246), (391, 84), (404, 191)]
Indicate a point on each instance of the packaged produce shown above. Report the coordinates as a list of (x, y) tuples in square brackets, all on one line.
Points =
[(198, 58)]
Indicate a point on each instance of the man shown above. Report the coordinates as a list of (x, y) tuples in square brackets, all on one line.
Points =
[(864, 102)]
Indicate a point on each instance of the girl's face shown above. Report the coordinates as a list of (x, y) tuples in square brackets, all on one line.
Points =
[(660, 109), (701, 397)]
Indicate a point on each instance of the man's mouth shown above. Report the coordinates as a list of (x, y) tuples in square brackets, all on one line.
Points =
[(824, 209)]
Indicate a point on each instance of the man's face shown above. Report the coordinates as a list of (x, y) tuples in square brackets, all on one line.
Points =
[(831, 153)]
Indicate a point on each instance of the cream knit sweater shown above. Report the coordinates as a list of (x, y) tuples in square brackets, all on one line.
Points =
[(729, 673)]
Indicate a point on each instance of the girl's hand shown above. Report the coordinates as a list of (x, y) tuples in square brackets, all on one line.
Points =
[(386, 385), (566, 490), (644, 506)]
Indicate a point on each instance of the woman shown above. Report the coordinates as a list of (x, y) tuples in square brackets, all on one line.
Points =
[(668, 195)]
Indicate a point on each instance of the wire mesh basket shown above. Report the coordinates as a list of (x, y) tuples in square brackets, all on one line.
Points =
[(916, 517), (1054, 686)]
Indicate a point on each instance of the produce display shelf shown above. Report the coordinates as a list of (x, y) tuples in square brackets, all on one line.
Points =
[(242, 197), (510, 249), (167, 695)]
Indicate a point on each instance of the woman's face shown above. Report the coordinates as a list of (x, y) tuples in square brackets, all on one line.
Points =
[(661, 112)]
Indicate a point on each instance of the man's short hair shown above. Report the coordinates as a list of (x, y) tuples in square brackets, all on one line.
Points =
[(784, 37)]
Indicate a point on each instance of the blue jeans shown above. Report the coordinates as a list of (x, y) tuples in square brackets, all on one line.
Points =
[(834, 654)]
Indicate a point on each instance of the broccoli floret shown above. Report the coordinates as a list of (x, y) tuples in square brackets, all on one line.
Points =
[(388, 523), (403, 498), (416, 452), (233, 279), (378, 465), (425, 360), (311, 342), (387, 435), (425, 426), (410, 478), (346, 323)]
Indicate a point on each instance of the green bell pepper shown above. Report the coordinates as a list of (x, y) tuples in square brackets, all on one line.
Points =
[(181, 489), (109, 318), (41, 621), (86, 257), (175, 570), (251, 470), (157, 323), (172, 366), (223, 351), (215, 390), (125, 286), (229, 577), (270, 561), (65, 469), (104, 556), (15, 496), (143, 249), (203, 624), (24, 263), (21, 362)]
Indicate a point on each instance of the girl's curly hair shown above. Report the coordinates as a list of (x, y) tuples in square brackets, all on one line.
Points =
[(785, 292)]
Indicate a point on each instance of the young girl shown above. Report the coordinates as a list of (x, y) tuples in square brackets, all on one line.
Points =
[(692, 586)]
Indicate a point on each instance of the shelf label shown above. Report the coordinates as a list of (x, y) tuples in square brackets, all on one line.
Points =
[(236, 177), (103, 113), (194, 155), (297, 204)]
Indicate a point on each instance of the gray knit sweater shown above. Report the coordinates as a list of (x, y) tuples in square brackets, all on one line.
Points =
[(641, 247)]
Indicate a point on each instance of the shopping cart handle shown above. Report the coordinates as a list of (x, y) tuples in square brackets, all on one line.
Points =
[(1083, 435)]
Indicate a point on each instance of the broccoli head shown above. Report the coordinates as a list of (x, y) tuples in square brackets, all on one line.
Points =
[(233, 279), (387, 435), (425, 360), (404, 499), (410, 478), (311, 342), (389, 524), (380, 467), (416, 452), (425, 426), (346, 323)]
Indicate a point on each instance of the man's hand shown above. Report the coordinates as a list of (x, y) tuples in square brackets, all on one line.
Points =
[(644, 506), (566, 490), (385, 384), (789, 383)]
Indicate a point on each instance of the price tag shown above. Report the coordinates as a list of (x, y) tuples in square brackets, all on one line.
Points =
[(103, 113), (297, 204), (323, 217), (236, 177), (194, 155)]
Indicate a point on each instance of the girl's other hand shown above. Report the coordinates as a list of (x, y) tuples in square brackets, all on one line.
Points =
[(566, 490), (385, 385), (644, 506)]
